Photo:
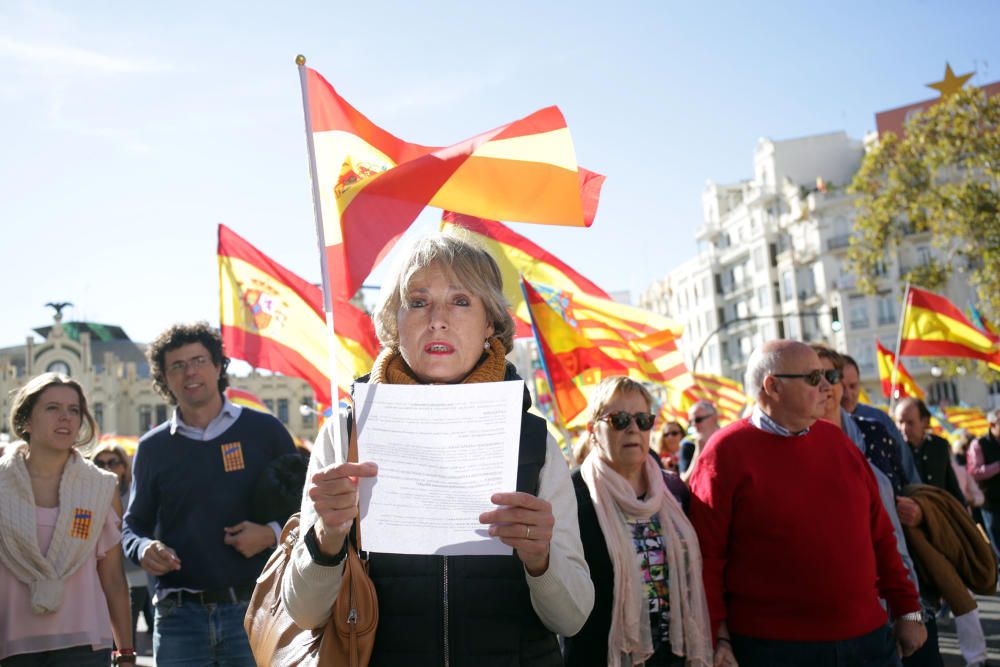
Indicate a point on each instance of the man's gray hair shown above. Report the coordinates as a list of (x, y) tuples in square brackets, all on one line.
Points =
[(701, 404), (759, 366)]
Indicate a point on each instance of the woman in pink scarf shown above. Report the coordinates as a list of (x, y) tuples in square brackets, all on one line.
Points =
[(643, 553)]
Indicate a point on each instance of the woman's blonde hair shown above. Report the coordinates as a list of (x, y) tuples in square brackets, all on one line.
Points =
[(471, 266), (119, 451), (606, 391), (27, 396)]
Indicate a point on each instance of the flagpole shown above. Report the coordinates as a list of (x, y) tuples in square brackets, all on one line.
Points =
[(300, 61), (899, 341)]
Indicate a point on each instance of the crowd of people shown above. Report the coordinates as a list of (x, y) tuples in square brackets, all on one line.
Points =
[(815, 531)]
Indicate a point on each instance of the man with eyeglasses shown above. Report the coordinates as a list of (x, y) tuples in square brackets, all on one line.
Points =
[(796, 545), (187, 522), (705, 420)]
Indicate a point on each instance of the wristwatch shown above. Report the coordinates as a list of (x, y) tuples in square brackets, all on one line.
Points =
[(917, 616)]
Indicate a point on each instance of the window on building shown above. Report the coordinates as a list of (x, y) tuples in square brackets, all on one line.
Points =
[(161, 413), (99, 415), (772, 251), (718, 283), (269, 404), (781, 329), (858, 312), (943, 392), (145, 418), (777, 292), (722, 315), (762, 297), (283, 410), (758, 258), (886, 305), (994, 388), (788, 285), (307, 415), (923, 255), (794, 331)]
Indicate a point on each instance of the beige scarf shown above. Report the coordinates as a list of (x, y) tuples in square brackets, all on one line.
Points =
[(85, 495), (630, 636), (390, 368)]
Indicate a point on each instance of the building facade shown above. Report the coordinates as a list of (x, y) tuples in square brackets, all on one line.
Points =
[(115, 376), (772, 263)]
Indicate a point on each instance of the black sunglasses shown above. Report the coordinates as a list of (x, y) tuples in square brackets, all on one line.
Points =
[(698, 420), (104, 464), (620, 420), (665, 433), (813, 378)]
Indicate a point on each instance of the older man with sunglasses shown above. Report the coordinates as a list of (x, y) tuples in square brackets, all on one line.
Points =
[(797, 547), (704, 418)]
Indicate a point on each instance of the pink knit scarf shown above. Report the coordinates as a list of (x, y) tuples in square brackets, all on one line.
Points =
[(630, 636)]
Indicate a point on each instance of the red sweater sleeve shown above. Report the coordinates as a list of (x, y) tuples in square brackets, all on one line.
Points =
[(710, 513)]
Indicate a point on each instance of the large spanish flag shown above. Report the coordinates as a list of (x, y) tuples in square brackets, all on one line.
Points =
[(370, 185), (582, 339), (905, 384), (934, 327), (518, 256), (972, 420), (273, 319)]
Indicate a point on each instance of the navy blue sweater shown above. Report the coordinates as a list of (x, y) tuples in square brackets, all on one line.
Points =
[(184, 492)]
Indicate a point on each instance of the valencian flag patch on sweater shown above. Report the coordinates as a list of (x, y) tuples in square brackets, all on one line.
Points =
[(232, 457), (81, 523)]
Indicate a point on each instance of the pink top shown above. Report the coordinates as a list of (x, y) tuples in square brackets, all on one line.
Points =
[(83, 617)]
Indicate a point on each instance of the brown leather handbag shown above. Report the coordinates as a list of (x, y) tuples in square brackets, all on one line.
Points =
[(347, 638)]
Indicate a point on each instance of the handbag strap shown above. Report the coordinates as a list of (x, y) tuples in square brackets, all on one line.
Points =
[(352, 457)]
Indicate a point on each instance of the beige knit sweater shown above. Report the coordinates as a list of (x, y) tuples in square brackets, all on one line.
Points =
[(85, 496)]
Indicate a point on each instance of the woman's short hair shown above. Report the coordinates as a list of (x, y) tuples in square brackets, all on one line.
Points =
[(606, 391), (470, 265), (27, 397), (180, 335), (824, 352), (119, 451)]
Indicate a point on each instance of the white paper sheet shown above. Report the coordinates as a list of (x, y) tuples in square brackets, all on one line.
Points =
[(442, 451)]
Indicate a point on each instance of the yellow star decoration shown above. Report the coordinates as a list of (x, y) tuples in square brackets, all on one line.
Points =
[(951, 84)]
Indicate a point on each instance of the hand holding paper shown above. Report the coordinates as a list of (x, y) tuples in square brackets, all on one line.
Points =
[(524, 523), (334, 494)]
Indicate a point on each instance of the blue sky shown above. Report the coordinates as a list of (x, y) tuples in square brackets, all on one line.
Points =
[(129, 130)]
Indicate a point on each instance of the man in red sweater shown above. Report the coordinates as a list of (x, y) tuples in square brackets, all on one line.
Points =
[(797, 547)]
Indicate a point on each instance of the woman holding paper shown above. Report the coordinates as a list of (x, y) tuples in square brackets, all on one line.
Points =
[(643, 553), (443, 319)]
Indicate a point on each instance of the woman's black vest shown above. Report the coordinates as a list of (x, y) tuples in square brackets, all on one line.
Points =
[(464, 610)]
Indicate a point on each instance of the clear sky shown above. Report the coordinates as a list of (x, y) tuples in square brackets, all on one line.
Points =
[(130, 129)]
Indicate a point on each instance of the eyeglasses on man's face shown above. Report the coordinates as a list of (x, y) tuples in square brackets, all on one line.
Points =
[(108, 464), (621, 420), (195, 363), (814, 377), (700, 418)]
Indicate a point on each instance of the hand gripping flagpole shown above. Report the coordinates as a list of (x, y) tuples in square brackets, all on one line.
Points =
[(300, 60), (893, 391)]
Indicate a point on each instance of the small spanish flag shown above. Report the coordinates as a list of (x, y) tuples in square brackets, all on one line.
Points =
[(81, 523), (232, 457)]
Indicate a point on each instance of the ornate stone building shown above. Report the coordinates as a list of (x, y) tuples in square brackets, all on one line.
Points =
[(113, 371)]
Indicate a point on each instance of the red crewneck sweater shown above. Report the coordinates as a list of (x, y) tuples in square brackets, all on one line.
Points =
[(795, 541)]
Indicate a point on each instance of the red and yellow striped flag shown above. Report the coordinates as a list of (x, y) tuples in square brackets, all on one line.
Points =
[(273, 319), (579, 334), (934, 327), (518, 256), (371, 185), (726, 395), (905, 384), (972, 420)]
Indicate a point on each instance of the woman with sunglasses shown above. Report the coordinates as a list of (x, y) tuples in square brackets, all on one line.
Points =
[(670, 445), (649, 604), (64, 589), (114, 458)]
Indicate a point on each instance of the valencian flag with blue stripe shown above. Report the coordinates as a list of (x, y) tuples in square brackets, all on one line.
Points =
[(273, 319)]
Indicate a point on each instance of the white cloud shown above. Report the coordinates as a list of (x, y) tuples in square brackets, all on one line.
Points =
[(72, 57)]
